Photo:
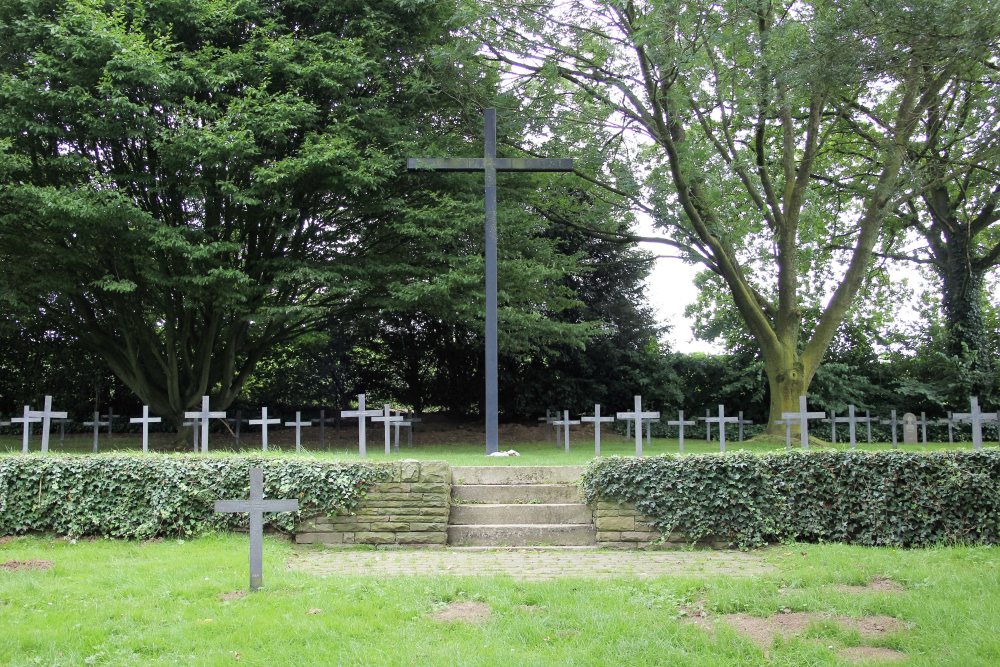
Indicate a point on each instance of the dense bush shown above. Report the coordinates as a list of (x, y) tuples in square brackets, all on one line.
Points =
[(876, 499), (130, 496)]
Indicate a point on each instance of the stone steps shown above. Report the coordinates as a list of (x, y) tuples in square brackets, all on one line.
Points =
[(519, 506), (515, 493), (513, 535), (544, 513)]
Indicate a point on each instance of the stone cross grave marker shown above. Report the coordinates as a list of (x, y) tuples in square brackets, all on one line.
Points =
[(832, 421), (47, 415), (299, 425), (802, 417), (637, 416), (263, 422), (950, 423), (27, 420), (97, 424), (788, 432), (238, 421), (62, 430), (255, 506), (868, 425), (680, 424), (194, 433), (387, 418), (204, 417), (414, 420), (111, 420), (976, 418), (852, 421), (892, 420), (923, 427), (597, 420), (145, 420), (362, 415), (722, 420), (566, 422), (741, 422), (397, 426), (909, 429), (708, 425), (548, 419), (490, 164), (323, 421)]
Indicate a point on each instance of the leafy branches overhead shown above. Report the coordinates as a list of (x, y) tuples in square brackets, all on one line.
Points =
[(737, 127)]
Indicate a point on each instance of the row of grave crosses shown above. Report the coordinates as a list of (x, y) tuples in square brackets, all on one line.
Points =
[(200, 420)]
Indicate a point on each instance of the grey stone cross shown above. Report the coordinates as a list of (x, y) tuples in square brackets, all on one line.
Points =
[(788, 432), (97, 424), (548, 419), (111, 420), (145, 420), (238, 422), (923, 427), (852, 420), (637, 416), (490, 164), (255, 507), (566, 422), (203, 418), (47, 415), (950, 423), (387, 418), (27, 420), (680, 424), (708, 425), (976, 418), (323, 421), (803, 416), (892, 420), (194, 433), (298, 424), (362, 416), (263, 422), (597, 420), (396, 426), (721, 420), (741, 422)]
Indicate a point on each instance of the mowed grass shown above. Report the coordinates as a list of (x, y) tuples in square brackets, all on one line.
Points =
[(469, 453), (161, 603)]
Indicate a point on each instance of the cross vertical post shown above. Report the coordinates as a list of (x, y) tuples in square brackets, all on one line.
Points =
[(490, 164)]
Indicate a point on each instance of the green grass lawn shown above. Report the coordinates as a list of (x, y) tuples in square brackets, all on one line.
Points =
[(473, 453), (123, 603)]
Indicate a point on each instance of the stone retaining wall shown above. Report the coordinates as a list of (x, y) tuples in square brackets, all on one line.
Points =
[(620, 525), (409, 509)]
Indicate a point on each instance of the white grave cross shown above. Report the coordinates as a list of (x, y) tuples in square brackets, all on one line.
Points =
[(27, 420), (145, 420), (203, 418), (387, 418), (722, 420), (97, 424), (803, 416), (566, 422), (680, 424), (362, 415), (263, 422), (597, 420), (637, 416), (298, 424), (852, 421), (46, 415), (976, 418)]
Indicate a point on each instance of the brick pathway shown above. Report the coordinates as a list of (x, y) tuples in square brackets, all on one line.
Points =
[(528, 564)]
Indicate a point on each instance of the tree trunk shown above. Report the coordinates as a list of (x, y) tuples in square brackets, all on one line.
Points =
[(787, 379), (962, 284)]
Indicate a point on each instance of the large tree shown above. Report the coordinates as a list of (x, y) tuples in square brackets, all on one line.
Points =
[(734, 116)]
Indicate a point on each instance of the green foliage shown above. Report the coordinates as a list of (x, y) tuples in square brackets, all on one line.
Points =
[(141, 497), (874, 499)]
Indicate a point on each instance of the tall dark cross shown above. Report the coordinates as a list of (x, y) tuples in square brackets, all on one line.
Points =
[(490, 164)]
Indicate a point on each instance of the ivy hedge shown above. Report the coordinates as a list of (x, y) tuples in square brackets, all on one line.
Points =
[(141, 497), (877, 499)]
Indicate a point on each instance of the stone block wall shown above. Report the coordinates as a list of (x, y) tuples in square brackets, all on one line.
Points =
[(621, 526), (409, 509)]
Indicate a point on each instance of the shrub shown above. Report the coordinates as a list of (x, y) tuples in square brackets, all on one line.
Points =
[(130, 496), (876, 499)]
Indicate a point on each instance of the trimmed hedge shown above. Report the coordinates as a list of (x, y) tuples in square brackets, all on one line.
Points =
[(141, 497), (876, 499)]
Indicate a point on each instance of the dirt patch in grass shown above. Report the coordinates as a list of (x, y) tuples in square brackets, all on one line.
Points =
[(234, 595), (7, 539), (464, 612), (868, 654), (876, 585), (763, 630), (21, 565)]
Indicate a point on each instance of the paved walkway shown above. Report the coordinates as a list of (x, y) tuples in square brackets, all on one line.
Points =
[(529, 564)]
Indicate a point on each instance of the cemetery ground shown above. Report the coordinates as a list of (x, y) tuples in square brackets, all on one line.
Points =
[(106, 602)]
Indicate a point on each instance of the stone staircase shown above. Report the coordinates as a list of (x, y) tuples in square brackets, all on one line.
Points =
[(518, 506)]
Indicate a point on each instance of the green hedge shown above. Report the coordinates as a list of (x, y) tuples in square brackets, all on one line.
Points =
[(133, 496), (877, 499)]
